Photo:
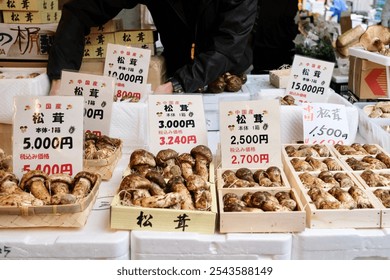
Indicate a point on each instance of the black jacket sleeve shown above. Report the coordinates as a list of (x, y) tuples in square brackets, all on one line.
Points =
[(78, 16), (230, 50)]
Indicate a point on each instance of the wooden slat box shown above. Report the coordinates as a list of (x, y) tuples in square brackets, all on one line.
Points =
[(253, 222), (104, 167), (71, 215), (338, 218), (157, 219)]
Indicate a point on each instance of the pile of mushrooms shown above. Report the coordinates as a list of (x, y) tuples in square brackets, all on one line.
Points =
[(5, 160), (168, 179), (99, 147), (37, 188), (245, 178), (227, 82), (259, 201)]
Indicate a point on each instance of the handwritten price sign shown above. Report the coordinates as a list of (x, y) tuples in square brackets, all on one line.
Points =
[(325, 123)]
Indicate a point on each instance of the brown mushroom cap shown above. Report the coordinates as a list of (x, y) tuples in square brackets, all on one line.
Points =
[(196, 183), (91, 177), (186, 158), (245, 174), (202, 151), (156, 177), (134, 181), (164, 155), (31, 176), (142, 157)]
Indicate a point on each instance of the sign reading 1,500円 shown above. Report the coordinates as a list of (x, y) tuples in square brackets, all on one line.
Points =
[(48, 143)]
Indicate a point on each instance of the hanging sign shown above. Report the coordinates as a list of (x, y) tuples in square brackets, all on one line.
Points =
[(98, 94), (250, 134), (309, 79), (130, 67), (48, 134), (325, 123), (176, 122)]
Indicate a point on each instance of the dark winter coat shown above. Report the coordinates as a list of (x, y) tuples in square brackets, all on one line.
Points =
[(220, 30)]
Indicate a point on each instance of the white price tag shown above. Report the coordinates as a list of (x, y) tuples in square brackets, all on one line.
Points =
[(250, 133), (325, 123), (98, 94), (130, 66), (48, 134), (309, 79), (176, 122)]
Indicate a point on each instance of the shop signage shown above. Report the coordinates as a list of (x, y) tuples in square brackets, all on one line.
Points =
[(325, 123), (250, 133), (176, 122), (98, 92), (309, 79), (130, 67), (48, 134)]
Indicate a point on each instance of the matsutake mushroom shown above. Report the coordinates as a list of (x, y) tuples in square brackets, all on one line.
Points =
[(60, 185), (36, 182), (203, 157), (83, 183)]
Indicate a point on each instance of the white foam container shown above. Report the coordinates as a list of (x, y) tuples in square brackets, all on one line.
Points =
[(341, 244), (173, 246)]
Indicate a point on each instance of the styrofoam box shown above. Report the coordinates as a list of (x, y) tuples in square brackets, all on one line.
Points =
[(372, 128), (341, 244), (186, 245), (93, 241), (261, 84), (12, 86), (291, 116)]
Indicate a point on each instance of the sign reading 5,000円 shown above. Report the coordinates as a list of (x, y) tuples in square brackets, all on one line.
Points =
[(48, 134)]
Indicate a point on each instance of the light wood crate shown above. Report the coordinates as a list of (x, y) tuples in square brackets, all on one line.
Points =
[(63, 216), (104, 167), (256, 222), (338, 218), (157, 219)]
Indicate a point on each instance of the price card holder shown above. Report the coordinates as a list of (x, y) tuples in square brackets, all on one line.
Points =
[(250, 134), (176, 122), (325, 123), (48, 134), (309, 79), (130, 66), (98, 94)]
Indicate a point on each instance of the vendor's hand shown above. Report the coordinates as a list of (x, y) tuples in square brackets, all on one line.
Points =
[(164, 88), (55, 87)]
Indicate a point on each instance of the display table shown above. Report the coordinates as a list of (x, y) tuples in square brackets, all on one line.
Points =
[(94, 241)]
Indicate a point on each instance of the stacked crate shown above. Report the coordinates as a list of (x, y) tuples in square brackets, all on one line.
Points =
[(28, 28)]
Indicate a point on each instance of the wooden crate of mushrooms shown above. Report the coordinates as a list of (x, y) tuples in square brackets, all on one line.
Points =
[(167, 191), (101, 154), (258, 200), (332, 195), (41, 200)]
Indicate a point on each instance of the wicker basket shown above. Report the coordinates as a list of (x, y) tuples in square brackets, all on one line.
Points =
[(71, 215), (104, 167)]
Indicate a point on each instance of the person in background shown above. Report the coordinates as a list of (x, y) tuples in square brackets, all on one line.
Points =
[(273, 35), (338, 7), (202, 39), (385, 16)]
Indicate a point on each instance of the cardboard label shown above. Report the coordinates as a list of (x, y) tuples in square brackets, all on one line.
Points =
[(27, 41), (325, 123), (176, 122), (31, 17), (131, 37), (98, 92), (48, 134), (130, 67), (309, 79), (23, 5), (250, 133)]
